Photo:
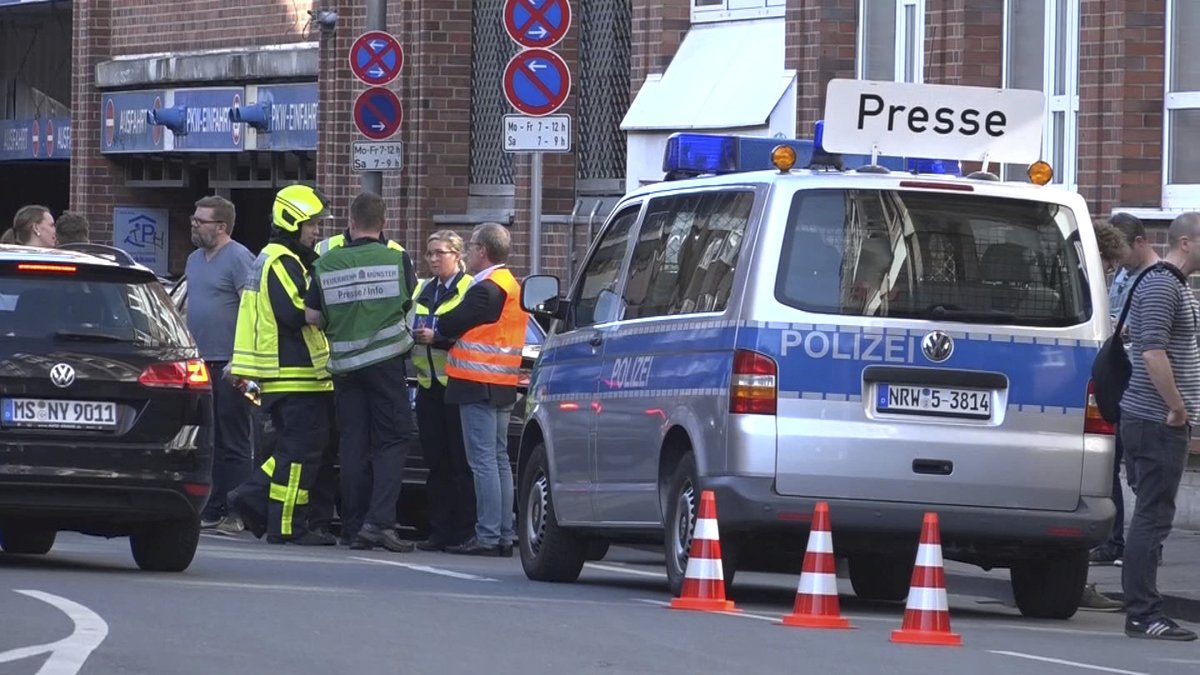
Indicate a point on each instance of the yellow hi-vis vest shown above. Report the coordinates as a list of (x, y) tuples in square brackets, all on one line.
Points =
[(257, 341), (430, 361), (338, 240)]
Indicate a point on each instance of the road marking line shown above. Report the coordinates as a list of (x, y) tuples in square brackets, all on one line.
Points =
[(67, 655), (626, 570), (518, 599), (1061, 662), (744, 615), (233, 585), (1183, 661), (426, 568)]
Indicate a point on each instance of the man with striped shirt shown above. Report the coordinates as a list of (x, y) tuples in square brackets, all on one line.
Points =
[(1157, 413)]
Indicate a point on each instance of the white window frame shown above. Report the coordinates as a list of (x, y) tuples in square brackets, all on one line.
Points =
[(736, 10), (900, 41), (1067, 175), (1175, 195)]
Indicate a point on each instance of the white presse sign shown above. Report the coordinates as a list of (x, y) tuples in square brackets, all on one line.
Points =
[(934, 121)]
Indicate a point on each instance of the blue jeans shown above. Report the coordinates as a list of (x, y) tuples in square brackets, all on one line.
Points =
[(1157, 453), (485, 433)]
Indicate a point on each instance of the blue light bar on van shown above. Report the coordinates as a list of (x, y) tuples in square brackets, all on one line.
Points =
[(700, 154), (945, 167), (694, 154)]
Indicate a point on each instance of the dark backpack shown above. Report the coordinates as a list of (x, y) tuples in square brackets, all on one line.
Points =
[(1111, 370)]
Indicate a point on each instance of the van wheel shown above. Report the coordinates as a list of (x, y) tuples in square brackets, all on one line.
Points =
[(166, 547), (683, 498), (27, 542), (1050, 587), (548, 552), (880, 576), (596, 549)]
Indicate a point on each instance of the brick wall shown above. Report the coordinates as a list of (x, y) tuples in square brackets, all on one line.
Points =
[(659, 27), (964, 42), (821, 46), (1121, 70), (156, 26)]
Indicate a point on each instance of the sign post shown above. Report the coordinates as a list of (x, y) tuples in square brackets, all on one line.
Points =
[(379, 63), (536, 83)]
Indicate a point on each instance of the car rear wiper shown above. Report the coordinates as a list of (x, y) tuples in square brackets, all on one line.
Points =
[(953, 312), (90, 336)]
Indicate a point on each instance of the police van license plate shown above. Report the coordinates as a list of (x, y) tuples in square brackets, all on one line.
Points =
[(29, 412), (942, 401)]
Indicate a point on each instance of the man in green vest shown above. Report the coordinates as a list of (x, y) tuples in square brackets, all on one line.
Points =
[(361, 294)]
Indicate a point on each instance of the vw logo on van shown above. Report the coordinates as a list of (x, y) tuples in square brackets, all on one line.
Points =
[(937, 346), (62, 375)]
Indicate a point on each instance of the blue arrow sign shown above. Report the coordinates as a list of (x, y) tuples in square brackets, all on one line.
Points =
[(537, 82), (377, 113), (376, 58), (537, 23)]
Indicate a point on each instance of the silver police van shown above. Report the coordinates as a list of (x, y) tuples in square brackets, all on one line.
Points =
[(891, 342)]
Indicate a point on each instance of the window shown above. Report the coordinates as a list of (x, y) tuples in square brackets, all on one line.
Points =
[(85, 306), (727, 10), (1041, 52), (939, 256), (595, 291), (686, 253), (891, 40), (1181, 156)]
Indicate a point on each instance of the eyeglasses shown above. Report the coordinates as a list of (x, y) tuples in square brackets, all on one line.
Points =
[(198, 221), (438, 254)]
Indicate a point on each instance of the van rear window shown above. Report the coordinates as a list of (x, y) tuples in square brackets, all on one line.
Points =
[(950, 256)]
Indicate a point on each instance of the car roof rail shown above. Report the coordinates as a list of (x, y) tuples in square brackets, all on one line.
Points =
[(113, 253)]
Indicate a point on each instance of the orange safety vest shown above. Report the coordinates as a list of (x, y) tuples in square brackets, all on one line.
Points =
[(491, 353)]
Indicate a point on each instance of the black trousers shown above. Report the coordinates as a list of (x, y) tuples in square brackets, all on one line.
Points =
[(450, 488), (232, 435), (374, 424), (276, 499)]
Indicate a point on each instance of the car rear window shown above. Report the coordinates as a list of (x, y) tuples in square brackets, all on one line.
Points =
[(952, 256), (88, 306)]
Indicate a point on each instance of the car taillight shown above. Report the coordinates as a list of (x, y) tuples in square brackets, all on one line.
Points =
[(1093, 421), (752, 390), (46, 267), (190, 374)]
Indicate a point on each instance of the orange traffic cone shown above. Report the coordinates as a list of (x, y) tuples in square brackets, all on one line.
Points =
[(927, 614), (817, 596), (704, 579)]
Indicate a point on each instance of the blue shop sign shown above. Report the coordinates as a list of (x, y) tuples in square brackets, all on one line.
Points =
[(293, 116), (208, 126), (35, 139), (123, 124)]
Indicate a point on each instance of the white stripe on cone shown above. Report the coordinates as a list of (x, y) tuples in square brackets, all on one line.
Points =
[(704, 568), (929, 555), (706, 528), (820, 542), (812, 583), (928, 599)]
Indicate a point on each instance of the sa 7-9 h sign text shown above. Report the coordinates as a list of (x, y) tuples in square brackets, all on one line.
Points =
[(551, 133), (378, 155)]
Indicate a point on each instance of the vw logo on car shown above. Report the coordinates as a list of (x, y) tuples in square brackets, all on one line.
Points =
[(62, 375), (937, 346)]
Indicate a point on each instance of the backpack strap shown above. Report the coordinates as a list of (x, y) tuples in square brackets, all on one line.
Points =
[(1160, 265)]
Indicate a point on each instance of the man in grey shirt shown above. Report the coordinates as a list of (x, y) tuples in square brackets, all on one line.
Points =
[(216, 275), (1157, 413)]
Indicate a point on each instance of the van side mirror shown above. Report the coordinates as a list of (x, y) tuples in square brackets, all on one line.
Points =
[(540, 295)]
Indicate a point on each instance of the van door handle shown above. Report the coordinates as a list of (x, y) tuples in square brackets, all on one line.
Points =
[(934, 467), (596, 340)]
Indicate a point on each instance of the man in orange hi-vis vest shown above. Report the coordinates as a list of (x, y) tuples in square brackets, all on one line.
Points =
[(482, 367)]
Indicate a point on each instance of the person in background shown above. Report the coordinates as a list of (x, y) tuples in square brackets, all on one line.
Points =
[(1158, 410), (1140, 255), (360, 296), (275, 347), (7, 237), (34, 226), (72, 228), (483, 367), (450, 488), (216, 273)]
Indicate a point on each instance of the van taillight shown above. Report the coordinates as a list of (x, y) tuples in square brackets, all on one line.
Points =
[(753, 390), (190, 374), (1093, 421)]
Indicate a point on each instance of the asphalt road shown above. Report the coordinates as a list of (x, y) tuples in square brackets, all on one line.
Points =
[(248, 607)]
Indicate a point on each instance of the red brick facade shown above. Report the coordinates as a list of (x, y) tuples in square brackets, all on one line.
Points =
[(1121, 62)]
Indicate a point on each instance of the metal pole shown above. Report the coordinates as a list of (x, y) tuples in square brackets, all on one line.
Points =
[(535, 215), (372, 181)]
